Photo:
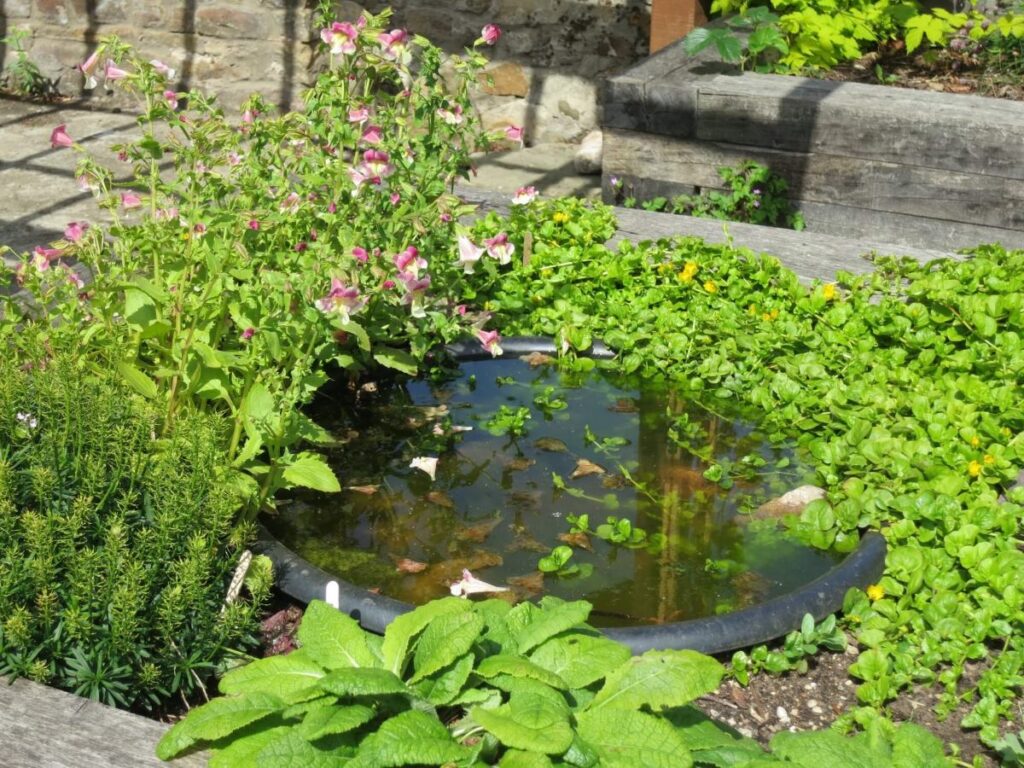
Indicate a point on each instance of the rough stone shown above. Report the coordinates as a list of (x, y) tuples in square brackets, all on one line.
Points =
[(790, 503), (588, 159), (231, 23), (505, 78), (17, 9)]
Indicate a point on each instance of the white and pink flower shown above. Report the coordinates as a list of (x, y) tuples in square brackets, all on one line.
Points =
[(471, 585), (498, 247), (415, 292), (514, 132), (171, 98), (469, 254), (491, 341), (130, 200), (163, 69), (59, 137), (490, 34), (88, 70), (524, 196), (343, 299), (409, 261), (341, 37), (75, 230), (451, 116), (359, 115), (395, 46), (371, 134), (291, 203), (112, 72)]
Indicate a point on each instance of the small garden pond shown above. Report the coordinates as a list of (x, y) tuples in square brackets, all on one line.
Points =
[(546, 447)]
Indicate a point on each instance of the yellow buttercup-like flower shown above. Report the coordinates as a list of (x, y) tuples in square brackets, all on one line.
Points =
[(829, 291), (975, 441), (560, 217), (988, 459), (710, 286), (974, 468), (688, 271), (875, 592)]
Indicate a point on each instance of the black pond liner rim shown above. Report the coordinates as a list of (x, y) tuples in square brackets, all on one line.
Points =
[(303, 581)]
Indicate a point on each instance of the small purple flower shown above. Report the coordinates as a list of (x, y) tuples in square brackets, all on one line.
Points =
[(360, 254), (248, 333), (343, 299)]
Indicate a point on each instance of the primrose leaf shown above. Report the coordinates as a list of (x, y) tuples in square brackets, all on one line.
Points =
[(404, 628), (528, 722), (363, 681), (519, 667), (553, 618), (293, 751), (310, 470), (397, 359), (217, 719), (411, 738), (579, 659), (814, 749), (333, 639), (280, 675), (243, 750), (515, 758), (914, 746), (625, 739), (443, 687), (325, 721), (445, 639), (659, 679), (713, 742)]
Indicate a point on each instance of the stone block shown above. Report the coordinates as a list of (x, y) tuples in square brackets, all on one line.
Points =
[(516, 12), (433, 23), (16, 9), (62, 12), (226, 22), (505, 78), (112, 11)]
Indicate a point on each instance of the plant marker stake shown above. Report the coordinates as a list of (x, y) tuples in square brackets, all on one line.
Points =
[(237, 580), (333, 595)]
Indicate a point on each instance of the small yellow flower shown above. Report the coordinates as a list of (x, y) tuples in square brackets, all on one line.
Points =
[(560, 217), (829, 291), (989, 459), (974, 468), (1006, 431), (710, 286), (688, 271), (975, 441), (875, 592)]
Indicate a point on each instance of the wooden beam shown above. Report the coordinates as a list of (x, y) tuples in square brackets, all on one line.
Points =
[(671, 20)]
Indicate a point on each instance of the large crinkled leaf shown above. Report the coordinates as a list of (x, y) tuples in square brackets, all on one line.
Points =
[(626, 739), (311, 470), (580, 659), (241, 752), (514, 685), (816, 749), (516, 758), (283, 676), (444, 640), (293, 751), (411, 738), (552, 619), (325, 721), (217, 719), (333, 639), (913, 746), (517, 666), (400, 632), (442, 687), (528, 722), (363, 681), (659, 679), (713, 742)]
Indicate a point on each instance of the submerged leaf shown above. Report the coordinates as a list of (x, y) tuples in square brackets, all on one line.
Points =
[(584, 467)]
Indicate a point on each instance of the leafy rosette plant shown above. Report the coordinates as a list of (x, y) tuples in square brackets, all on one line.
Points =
[(455, 683), (245, 259)]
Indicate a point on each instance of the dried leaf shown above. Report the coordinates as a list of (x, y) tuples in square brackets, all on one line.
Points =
[(577, 539), (477, 533), (520, 463), (624, 405), (440, 498), (585, 467), (551, 445), (530, 584), (405, 565), (536, 359), (366, 490)]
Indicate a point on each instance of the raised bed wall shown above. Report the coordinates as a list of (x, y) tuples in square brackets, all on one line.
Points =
[(908, 167)]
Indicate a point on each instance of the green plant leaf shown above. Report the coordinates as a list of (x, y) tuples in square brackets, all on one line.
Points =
[(627, 739), (333, 639), (814, 749), (515, 758), (280, 675), (517, 666), (242, 750), (216, 719), (553, 617), (311, 470), (445, 639), (137, 380), (400, 632), (443, 687), (293, 751), (528, 722), (659, 679), (329, 720), (580, 659), (397, 359), (913, 746), (411, 738), (363, 681)]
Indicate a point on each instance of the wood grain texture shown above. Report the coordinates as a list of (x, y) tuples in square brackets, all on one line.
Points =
[(950, 197), (811, 256), (43, 727), (965, 134)]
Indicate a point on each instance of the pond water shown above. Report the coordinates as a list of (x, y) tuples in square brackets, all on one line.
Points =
[(594, 444)]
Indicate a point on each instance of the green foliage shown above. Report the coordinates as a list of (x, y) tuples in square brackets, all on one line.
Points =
[(22, 75), (454, 683), (508, 421), (756, 196), (116, 550), (792, 656), (902, 385)]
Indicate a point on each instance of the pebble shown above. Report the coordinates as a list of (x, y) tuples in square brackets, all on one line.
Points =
[(783, 715), (743, 731)]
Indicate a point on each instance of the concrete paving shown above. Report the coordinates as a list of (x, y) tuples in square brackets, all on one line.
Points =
[(37, 183)]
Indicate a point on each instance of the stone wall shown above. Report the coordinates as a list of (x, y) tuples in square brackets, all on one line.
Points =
[(545, 73)]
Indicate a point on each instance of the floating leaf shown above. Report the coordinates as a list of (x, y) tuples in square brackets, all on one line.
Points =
[(551, 445), (441, 499), (584, 467), (405, 565)]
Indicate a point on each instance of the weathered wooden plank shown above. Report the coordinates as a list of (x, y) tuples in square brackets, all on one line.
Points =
[(810, 255), (975, 199), (932, 130), (43, 727)]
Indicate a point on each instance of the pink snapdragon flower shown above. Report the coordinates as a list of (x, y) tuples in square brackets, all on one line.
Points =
[(415, 292), (254, 225), (75, 230), (59, 137), (130, 200), (360, 255), (491, 341), (291, 203), (498, 247), (524, 196), (490, 34), (514, 132), (341, 37), (248, 333), (469, 254), (409, 261), (112, 72), (359, 115), (42, 257), (452, 116), (171, 98), (371, 134), (88, 70), (75, 279), (163, 69), (395, 46), (378, 163), (343, 299)]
